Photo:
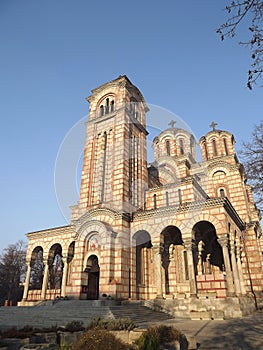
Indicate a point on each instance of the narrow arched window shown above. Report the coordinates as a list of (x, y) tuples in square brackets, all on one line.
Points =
[(112, 106), (168, 148), (101, 110), (180, 196), (214, 147), (222, 193), (167, 198), (107, 106), (132, 108), (206, 153), (154, 201), (181, 144), (225, 146)]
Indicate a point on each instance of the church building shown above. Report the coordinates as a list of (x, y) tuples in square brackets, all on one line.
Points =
[(178, 234)]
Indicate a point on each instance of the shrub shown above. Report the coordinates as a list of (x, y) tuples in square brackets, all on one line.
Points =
[(156, 336), (74, 326), (99, 339), (168, 334), (147, 341), (113, 324)]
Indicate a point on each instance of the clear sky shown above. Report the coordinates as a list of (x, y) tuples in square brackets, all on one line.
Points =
[(54, 52)]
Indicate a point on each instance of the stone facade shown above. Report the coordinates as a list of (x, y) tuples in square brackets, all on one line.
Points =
[(177, 233)]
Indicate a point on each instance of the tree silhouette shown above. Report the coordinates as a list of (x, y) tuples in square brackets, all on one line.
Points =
[(249, 12)]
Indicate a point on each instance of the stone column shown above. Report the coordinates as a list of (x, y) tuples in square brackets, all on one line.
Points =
[(26, 285), (240, 270), (64, 277), (223, 241), (45, 280), (234, 268), (188, 244), (158, 249)]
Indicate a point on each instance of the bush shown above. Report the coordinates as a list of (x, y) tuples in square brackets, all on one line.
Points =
[(147, 341), (154, 337), (74, 326), (113, 324), (168, 334), (99, 339)]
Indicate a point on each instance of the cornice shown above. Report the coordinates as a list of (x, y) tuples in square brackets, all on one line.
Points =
[(51, 231), (192, 206)]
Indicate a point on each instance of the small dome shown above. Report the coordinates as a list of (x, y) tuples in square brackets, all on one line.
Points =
[(217, 143), (173, 142)]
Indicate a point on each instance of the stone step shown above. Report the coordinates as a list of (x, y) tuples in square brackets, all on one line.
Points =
[(62, 312)]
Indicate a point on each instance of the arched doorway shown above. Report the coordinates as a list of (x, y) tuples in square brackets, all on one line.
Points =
[(37, 269), (143, 266), (172, 252), (93, 271), (55, 267), (208, 252), (208, 260)]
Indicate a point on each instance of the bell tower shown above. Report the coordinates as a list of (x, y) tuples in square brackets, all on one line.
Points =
[(114, 173)]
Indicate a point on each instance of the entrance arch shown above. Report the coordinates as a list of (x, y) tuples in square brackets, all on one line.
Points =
[(143, 265), (93, 271), (208, 260), (172, 251), (209, 252)]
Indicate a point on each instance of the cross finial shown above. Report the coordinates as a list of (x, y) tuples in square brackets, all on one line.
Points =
[(172, 123), (213, 125)]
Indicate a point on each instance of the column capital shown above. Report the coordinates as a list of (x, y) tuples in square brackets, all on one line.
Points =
[(223, 240), (189, 244)]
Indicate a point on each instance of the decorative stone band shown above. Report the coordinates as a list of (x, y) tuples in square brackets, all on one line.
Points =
[(192, 206)]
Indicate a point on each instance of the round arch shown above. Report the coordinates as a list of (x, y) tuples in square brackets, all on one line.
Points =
[(56, 266), (172, 248), (93, 270), (208, 250)]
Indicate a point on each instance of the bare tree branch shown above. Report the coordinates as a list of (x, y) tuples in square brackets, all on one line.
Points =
[(252, 155), (251, 13)]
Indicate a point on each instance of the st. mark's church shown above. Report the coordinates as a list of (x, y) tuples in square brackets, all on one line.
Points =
[(181, 235)]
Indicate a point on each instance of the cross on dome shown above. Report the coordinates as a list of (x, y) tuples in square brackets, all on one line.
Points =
[(213, 125), (172, 123)]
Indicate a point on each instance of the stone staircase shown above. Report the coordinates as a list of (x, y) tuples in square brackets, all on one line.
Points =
[(64, 311)]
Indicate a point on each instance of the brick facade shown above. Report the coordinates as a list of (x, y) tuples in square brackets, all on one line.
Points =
[(176, 229)]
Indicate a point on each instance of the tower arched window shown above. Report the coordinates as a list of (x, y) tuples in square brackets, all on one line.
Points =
[(112, 106), (154, 201), (214, 147), (167, 198), (222, 192), (225, 146), (181, 144), (107, 105), (133, 108), (168, 148), (180, 196), (101, 110), (206, 153)]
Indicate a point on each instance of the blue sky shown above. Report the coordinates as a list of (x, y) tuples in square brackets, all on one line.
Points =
[(54, 52)]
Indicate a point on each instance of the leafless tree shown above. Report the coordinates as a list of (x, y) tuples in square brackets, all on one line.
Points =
[(252, 153), (12, 271), (37, 271), (55, 272), (249, 12)]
